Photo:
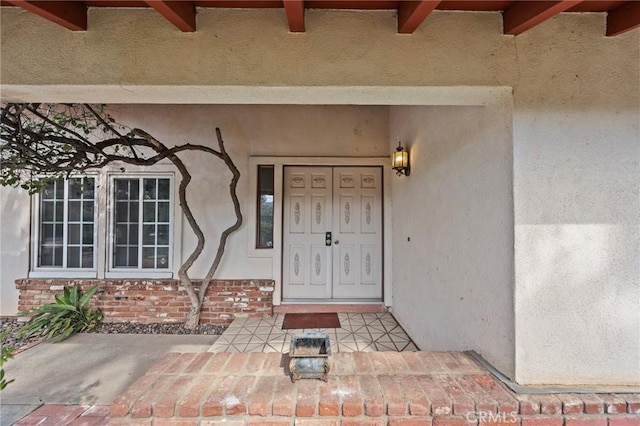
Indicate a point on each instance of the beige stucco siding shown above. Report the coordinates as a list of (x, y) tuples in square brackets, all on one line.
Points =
[(575, 144)]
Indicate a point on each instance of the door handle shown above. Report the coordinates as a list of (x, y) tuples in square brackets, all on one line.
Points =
[(327, 239), (336, 242)]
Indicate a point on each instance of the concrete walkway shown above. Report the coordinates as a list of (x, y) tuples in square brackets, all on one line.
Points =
[(86, 370)]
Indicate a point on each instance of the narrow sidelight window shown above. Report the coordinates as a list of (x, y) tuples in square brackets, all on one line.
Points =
[(264, 238)]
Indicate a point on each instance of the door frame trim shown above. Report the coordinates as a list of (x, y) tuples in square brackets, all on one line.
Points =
[(276, 252)]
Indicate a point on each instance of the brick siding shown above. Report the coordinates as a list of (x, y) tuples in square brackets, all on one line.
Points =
[(157, 301)]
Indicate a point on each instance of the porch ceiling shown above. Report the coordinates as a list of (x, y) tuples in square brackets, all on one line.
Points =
[(518, 16)]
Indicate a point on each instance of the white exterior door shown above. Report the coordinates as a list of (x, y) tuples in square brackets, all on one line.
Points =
[(347, 203)]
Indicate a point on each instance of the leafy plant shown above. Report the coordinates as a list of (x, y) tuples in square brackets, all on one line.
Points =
[(5, 355), (69, 314)]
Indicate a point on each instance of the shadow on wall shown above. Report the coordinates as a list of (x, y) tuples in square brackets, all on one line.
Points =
[(575, 303)]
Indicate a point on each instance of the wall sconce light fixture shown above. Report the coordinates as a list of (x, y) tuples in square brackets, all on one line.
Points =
[(400, 161)]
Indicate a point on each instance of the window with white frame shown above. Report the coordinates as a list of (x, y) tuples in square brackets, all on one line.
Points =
[(65, 231), (141, 223)]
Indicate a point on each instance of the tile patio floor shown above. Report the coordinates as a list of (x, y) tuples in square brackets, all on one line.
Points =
[(359, 332)]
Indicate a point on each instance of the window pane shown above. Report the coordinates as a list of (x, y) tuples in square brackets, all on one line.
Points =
[(87, 257), (120, 257), (163, 211), (134, 189), (148, 235), (73, 257), (133, 235), (149, 212), (47, 211), (87, 234), (58, 256), (47, 234), (73, 214), (57, 229), (59, 211), (48, 191), (148, 257), (88, 188), (133, 256), (121, 234), (133, 211), (87, 211), (74, 234), (59, 189), (121, 189), (149, 189), (265, 207), (75, 189), (164, 187), (163, 257), (46, 256), (163, 235), (122, 211)]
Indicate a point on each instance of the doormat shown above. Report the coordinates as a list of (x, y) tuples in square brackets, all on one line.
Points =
[(323, 320)]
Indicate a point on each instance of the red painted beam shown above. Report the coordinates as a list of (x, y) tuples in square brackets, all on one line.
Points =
[(412, 13), (69, 14), (295, 15), (523, 15), (623, 18), (182, 14)]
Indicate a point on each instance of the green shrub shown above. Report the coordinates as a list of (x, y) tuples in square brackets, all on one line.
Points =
[(5, 355), (69, 314)]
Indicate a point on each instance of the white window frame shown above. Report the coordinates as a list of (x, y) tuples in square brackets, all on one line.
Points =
[(64, 272), (139, 272)]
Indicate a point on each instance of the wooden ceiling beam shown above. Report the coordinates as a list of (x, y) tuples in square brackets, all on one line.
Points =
[(523, 15), (182, 14), (412, 13), (69, 14), (295, 15), (623, 18)]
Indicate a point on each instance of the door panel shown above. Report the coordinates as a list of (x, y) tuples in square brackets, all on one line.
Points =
[(346, 201), (306, 258), (357, 265)]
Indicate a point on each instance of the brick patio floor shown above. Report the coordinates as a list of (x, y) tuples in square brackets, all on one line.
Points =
[(375, 388)]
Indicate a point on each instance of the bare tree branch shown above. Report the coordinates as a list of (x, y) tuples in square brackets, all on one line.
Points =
[(43, 142)]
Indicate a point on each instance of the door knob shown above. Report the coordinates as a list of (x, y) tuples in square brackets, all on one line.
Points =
[(336, 242)]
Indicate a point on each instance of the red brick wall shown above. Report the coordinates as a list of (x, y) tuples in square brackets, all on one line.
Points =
[(152, 301)]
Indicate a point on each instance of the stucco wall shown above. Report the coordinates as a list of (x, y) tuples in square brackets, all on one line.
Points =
[(14, 245), (452, 237), (247, 130), (252, 130), (576, 143), (577, 211)]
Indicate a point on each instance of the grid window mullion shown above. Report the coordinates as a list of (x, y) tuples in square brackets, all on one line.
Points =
[(64, 203), (148, 250)]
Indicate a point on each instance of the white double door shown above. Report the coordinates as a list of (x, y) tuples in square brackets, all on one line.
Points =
[(332, 233)]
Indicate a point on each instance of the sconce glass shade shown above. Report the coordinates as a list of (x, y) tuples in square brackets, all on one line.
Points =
[(400, 161)]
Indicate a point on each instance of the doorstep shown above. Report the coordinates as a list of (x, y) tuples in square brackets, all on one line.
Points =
[(321, 308)]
